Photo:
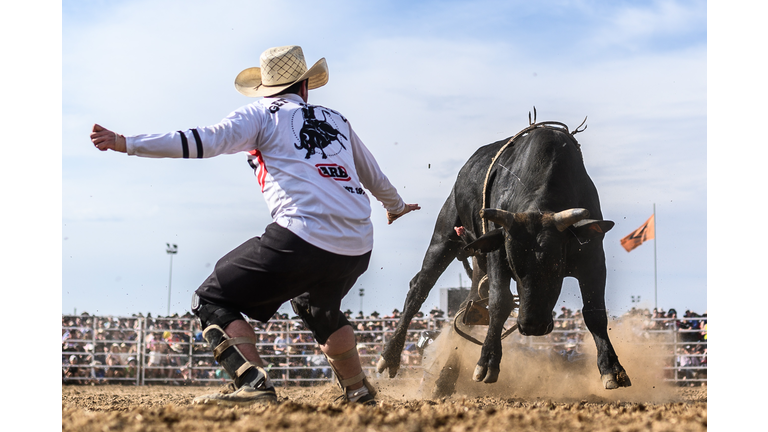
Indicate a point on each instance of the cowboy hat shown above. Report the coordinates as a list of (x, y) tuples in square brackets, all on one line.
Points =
[(280, 68)]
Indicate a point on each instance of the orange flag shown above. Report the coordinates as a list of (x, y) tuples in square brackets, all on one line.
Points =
[(638, 236)]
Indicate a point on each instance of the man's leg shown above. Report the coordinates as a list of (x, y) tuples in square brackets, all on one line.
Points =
[(233, 342), (253, 279), (337, 341), (341, 350), (241, 328), (340, 342)]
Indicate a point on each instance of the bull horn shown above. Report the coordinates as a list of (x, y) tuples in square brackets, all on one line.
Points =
[(499, 216), (566, 218)]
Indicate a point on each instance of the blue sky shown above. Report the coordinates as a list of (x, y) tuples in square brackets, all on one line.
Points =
[(424, 86)]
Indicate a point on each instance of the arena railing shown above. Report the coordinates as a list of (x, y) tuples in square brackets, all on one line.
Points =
[(101, 349), (170, 350)]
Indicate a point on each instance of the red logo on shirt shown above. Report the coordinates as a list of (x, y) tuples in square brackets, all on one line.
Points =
[(259, 168), (336, 172)]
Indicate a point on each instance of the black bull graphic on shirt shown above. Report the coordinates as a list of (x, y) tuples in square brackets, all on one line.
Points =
[(317, 134), (548, 225)]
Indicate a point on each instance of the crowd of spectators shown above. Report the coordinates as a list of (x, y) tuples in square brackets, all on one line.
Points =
[(372, 330), (688, 354), (99, 349)]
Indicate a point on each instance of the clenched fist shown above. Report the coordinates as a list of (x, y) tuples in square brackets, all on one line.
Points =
[(104, 139)]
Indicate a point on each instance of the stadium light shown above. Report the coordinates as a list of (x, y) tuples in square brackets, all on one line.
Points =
[(171, 250)]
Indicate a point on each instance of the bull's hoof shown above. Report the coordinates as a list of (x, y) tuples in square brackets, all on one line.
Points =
[(615, 380), (485, 374), (492, 376), (383, 365), (480, 373)]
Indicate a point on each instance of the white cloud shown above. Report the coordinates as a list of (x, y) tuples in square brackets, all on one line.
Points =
[(657, 23)]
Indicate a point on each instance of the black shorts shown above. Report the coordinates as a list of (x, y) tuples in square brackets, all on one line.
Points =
[(257, 277)]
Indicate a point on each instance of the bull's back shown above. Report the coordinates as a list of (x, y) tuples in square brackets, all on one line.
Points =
[(541, 170)]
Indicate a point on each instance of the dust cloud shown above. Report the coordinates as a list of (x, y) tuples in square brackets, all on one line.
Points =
[(530, 373)]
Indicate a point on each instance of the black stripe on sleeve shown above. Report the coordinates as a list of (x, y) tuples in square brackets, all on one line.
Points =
[(184, 146), (199, 143)]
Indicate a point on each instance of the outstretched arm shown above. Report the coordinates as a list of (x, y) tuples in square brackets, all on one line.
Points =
[(235, 133)]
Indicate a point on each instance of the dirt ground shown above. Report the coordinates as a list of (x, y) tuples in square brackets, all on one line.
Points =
[(163, 408)]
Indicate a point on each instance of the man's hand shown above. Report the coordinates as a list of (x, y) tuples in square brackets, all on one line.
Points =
[(104, 139), (391, 217)]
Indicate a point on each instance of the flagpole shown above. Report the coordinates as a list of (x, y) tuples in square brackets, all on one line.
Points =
[(655, 280)]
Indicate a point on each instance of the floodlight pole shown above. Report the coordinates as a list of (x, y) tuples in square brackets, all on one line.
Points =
[(171, 250), (362, 293), (655, 279)]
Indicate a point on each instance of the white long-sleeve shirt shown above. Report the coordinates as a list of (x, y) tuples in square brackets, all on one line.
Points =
[(310, 165)]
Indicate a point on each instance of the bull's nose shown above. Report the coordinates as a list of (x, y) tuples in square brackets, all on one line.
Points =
[(535, 329)]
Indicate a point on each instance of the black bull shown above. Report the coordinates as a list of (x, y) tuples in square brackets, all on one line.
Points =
[(548, 226)]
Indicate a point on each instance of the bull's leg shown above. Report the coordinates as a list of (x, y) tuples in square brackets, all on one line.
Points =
[(445, 384), (479, 280), (438, 257), (500, 303), (592, 287), (443, 249)]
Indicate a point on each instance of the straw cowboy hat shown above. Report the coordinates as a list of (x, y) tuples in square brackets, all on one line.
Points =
[(280, 68)]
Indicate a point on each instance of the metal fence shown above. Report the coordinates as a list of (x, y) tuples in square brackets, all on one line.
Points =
[(144, 350)]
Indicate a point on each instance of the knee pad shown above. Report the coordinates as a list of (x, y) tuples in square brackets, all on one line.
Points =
[(319, 325), (232, 359), (210, 314)]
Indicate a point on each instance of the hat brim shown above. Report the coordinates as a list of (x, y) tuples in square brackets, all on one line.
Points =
[(248, 82)]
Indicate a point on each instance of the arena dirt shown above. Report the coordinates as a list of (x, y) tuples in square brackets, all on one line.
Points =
[(534, 393), (155, 408)]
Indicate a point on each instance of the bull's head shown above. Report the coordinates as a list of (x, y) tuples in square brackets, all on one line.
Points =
[(535, 244)]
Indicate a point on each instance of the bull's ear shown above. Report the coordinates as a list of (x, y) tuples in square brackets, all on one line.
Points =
[(590, 228), (488, 242)]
